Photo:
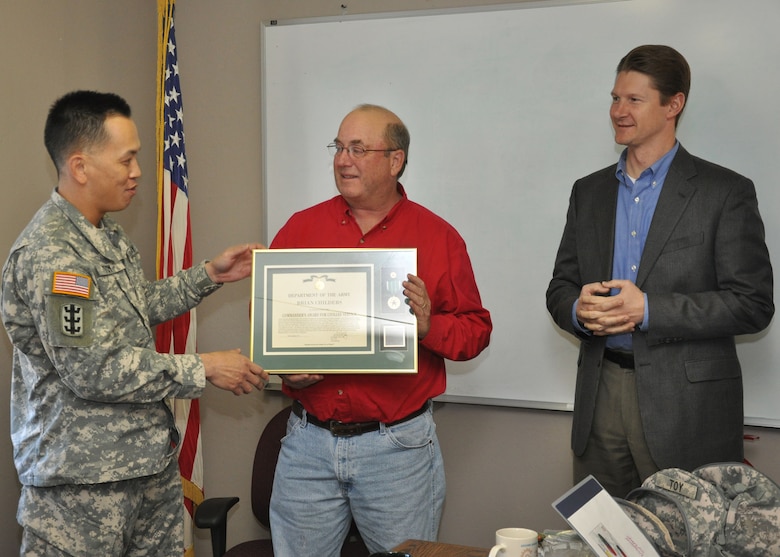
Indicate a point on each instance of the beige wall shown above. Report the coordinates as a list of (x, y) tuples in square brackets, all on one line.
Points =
[(504, 465)]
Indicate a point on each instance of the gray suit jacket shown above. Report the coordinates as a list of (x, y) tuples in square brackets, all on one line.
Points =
[(706, 272)]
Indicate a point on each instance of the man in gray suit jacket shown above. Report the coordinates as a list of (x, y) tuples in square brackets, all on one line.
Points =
[(662, 262)]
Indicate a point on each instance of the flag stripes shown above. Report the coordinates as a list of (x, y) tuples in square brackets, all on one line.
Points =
[(174, 253)]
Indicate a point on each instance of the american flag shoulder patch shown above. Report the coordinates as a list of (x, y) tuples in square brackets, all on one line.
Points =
[(71, 284)]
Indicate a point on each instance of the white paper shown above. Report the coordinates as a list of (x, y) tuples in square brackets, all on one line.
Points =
[(601, 522)]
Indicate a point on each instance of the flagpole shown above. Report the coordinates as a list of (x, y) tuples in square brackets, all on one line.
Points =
[(164, 14)]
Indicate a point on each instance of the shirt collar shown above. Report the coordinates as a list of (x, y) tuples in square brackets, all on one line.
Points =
[(395, 208), (657, 170), (107, 238)]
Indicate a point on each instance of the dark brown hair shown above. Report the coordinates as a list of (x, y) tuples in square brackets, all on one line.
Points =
[(667, 68)]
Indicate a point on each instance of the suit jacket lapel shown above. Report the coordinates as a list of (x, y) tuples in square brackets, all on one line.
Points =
[(675, 196), (604, 229)]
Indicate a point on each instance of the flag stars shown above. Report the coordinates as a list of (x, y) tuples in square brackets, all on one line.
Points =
[(174, 95), (174, 158)]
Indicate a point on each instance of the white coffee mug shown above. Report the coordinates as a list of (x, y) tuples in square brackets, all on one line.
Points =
[(515, 542)]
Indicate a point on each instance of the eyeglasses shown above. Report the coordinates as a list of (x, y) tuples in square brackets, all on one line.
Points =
[(355, 151)]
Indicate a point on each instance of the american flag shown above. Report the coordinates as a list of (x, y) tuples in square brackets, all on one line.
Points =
[(174, 252), (71, 283)]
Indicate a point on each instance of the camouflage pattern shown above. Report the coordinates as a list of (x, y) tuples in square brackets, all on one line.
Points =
[(131, 518), (718, 510), (652, 527), (88, 388), (692, 510), (668, 512), (753, 500)]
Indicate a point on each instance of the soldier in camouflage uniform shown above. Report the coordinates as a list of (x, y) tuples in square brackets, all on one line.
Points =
[(94, 441)]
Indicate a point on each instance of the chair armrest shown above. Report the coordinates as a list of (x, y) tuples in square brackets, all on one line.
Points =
[(212, 514)]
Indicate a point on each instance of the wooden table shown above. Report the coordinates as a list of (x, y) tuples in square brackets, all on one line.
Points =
[(418, 548)]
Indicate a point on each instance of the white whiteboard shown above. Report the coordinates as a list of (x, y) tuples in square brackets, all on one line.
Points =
[(506, 108)]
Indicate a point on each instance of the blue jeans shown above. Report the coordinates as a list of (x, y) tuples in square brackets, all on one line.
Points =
[(391, 481)]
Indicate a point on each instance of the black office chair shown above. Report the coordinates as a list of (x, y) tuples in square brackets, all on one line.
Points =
[(212, 513)]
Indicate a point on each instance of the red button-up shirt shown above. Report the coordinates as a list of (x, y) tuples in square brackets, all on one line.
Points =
[(460, 326)]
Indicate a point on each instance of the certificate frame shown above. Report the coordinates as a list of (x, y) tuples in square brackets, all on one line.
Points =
[(332, 311)]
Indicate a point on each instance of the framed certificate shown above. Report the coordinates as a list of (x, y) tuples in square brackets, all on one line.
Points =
[(333, 311)]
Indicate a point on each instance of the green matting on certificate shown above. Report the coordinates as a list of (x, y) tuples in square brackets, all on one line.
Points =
[(333, 311)]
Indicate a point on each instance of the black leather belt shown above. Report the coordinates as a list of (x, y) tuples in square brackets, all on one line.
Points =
[(623, 359), (347, 429)]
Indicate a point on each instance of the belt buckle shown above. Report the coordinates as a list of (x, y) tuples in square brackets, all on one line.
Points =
[(342, 429)]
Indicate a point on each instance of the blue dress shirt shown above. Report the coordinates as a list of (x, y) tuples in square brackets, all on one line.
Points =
[(636, 204)]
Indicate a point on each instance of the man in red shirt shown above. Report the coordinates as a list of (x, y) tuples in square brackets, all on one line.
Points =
[(389, 477)]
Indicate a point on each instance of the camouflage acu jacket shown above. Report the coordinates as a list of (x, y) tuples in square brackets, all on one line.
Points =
[(88, 387)]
